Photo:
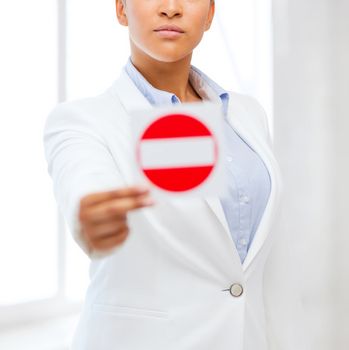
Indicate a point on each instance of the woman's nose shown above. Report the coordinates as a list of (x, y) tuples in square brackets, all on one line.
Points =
[(171, 8)]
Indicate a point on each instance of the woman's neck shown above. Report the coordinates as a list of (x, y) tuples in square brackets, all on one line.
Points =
[(168, 76)]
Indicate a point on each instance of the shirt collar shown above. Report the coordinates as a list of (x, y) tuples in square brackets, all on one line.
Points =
[(203, 85)]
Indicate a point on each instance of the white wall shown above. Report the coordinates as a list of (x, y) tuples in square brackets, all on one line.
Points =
[(310, 128), (340, 120)]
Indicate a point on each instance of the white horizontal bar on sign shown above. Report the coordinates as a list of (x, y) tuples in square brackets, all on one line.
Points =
[(177, 152)]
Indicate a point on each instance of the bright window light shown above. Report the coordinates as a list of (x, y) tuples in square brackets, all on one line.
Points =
[(28, 233)]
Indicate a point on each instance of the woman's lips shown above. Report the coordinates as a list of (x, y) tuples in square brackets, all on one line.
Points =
[(169, 31)]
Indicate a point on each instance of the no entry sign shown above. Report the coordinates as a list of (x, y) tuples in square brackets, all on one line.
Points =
[(177, 152), (178, 149)]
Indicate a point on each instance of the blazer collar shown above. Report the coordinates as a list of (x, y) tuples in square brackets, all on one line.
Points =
[(131, 99)]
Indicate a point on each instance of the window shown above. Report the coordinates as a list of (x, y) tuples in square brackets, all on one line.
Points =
[(28, 254)]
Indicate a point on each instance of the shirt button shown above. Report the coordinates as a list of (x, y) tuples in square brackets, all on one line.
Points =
[(243, 241), (244, 199), (229, 159), (236, 289)]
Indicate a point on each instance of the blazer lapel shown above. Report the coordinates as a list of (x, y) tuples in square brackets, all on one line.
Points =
[(130, 97), (239, 119)]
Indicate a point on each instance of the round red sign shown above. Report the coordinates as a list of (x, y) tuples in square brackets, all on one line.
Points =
[(177, 152)]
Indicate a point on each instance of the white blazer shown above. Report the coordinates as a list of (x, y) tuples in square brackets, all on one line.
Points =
[(167, 286)]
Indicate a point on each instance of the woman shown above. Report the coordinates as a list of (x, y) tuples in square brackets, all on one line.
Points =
[(185, 274)]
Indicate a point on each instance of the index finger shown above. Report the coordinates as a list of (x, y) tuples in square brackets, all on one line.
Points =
[(99, 197)]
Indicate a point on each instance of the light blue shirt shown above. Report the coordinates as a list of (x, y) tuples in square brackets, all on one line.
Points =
[(248, 178)]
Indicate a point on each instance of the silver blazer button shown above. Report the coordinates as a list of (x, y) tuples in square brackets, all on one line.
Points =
[(236, 289)]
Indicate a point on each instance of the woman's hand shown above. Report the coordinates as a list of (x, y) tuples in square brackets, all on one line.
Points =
[(103, 215)]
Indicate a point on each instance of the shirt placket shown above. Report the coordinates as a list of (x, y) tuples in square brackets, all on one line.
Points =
[(244, 205), (242, 227)]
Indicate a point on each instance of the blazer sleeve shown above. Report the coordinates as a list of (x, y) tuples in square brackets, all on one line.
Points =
[(79, 163)]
